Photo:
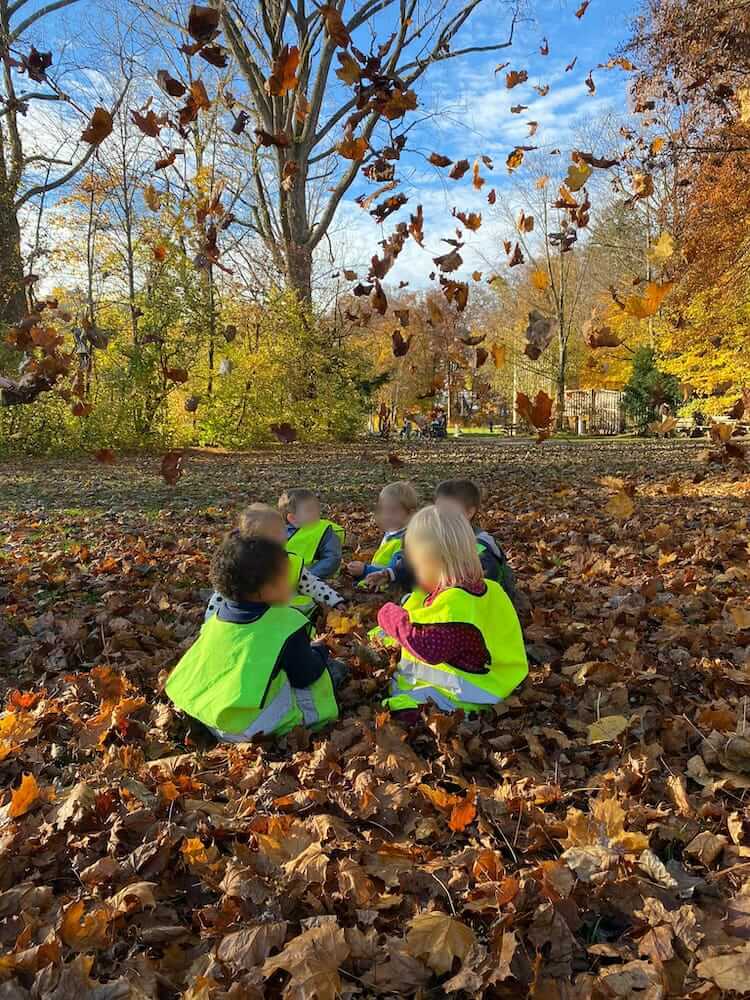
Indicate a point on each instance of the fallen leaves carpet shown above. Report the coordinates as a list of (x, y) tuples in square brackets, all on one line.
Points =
[(589, 838)]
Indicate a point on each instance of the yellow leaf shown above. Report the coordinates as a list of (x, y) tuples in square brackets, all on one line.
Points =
[(607, 728), (662, 249), (642, 308), (743, 96), (499, 354), (578, 174), (540, 280), (620, 506), (349, 71), (439, 939), (151, 197), (84, 931), (341, 624), (657, 145), (740, 616), (25, 797)]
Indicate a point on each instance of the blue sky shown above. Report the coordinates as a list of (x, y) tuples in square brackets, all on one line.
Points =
[(466, 109), (471, 105)]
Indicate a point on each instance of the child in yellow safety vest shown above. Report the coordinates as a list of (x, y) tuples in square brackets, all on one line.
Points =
[(259, 520), (252, 670), (397, 503), (460, 638), (316, 540)]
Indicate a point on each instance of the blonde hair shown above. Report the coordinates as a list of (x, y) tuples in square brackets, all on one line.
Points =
[(403, 493), (290, 500), (450, 538), (255, 518)]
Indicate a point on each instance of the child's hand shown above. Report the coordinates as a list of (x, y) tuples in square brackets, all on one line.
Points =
[(375, 580), (356, 568)]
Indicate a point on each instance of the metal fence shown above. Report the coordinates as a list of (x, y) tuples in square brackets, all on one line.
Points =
[(595, 411)]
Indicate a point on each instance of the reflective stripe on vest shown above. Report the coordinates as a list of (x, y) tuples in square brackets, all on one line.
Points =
[(318, 701), (269, 720), (417, 672), (306, 539)]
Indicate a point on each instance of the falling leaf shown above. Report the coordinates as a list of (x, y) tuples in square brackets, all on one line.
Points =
[(577, 176), (400, 344), (459, 169), (172, 466), (170, 85), (516, 257), (515, 77), (589, 81), (284, 432), (571, 65), (539, 332), (743, 99), (203, 22), (641, 307), (438, 160), (152, 198), (582, 9), (353, 149), (335, 27), (106, 456), (537, 413), (662, 249), (499, 354), (283, 76), (349, 72), (620, 506), (515, 159), (540, 279), (98, 128)]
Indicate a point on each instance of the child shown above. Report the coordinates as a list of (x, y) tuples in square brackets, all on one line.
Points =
[(261, 521), (464, 495), (253, 670), (315, 540), (396, 505), (460, 638)]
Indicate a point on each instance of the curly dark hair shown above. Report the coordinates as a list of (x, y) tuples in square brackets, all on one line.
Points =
[(241, 566)]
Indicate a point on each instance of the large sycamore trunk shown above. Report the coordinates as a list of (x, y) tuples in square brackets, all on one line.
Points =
[(12, 294)]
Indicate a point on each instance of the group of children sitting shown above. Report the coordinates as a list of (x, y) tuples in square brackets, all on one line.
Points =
[(256, 668)]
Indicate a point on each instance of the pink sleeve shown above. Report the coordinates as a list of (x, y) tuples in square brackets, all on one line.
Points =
[(430, 643)]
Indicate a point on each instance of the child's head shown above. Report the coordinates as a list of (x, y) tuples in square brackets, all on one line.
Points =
[(261, 521), (251, 569), (396, 504), (460, 494), (299, 507), (442, 548)]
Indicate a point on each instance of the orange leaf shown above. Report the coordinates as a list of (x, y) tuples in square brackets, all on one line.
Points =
[(464, 813), (84, 931), (25, 797)]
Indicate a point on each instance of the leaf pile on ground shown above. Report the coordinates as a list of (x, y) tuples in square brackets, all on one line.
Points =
[(588, 838)]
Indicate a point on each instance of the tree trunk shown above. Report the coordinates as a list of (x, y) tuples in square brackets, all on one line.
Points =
[(12, 291), (299, 271), (562, 366)]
